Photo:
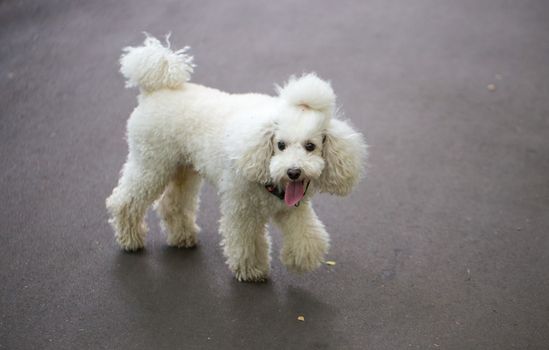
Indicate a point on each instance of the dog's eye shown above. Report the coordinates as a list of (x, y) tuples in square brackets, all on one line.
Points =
[(310, 146), (281, 145)]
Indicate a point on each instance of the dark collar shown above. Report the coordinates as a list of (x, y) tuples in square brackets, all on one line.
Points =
[(274, 190)]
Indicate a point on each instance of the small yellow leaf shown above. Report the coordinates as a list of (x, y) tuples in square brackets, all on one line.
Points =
[(330, 262), (301, 318)]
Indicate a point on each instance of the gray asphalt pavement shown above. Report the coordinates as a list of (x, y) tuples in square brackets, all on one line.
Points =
[(444, 246)]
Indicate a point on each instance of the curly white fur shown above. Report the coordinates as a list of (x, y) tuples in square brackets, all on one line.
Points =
[(309, 91), (153, 66), (181, 133)]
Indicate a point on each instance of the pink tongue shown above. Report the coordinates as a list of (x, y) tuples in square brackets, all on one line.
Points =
[(294, 193)]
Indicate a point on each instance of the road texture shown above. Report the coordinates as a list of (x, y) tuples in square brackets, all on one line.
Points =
[(444, 246)]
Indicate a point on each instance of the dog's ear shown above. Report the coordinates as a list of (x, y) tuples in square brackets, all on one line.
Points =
[(344, 152), (252, 149), (309, 91)]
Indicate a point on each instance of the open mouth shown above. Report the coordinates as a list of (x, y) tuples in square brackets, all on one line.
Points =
[(294, 192)]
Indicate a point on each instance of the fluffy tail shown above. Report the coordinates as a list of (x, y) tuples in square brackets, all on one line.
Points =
[(154, 66)]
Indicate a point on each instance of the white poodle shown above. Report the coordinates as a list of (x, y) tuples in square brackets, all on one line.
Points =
[(266, 156)]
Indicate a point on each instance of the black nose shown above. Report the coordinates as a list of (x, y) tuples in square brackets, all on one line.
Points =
[(294, 173)]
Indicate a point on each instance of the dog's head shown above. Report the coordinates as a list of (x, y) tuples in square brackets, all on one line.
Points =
[(301, 144)]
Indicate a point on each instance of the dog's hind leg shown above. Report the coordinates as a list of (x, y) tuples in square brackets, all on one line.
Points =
[(177, 208), (141, 183)]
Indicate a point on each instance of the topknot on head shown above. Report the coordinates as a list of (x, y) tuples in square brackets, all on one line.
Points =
[(310, 92)]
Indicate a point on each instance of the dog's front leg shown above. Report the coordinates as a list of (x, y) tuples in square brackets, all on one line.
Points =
[(305, 239), (246, 244)]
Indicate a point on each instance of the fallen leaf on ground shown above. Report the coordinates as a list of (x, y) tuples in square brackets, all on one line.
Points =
[(301, 318), (330, 262)]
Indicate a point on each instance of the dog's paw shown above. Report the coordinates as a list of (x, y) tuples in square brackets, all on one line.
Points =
[(304, 255), (184, 236), (250, 274), (181, 241), (130, 243)]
